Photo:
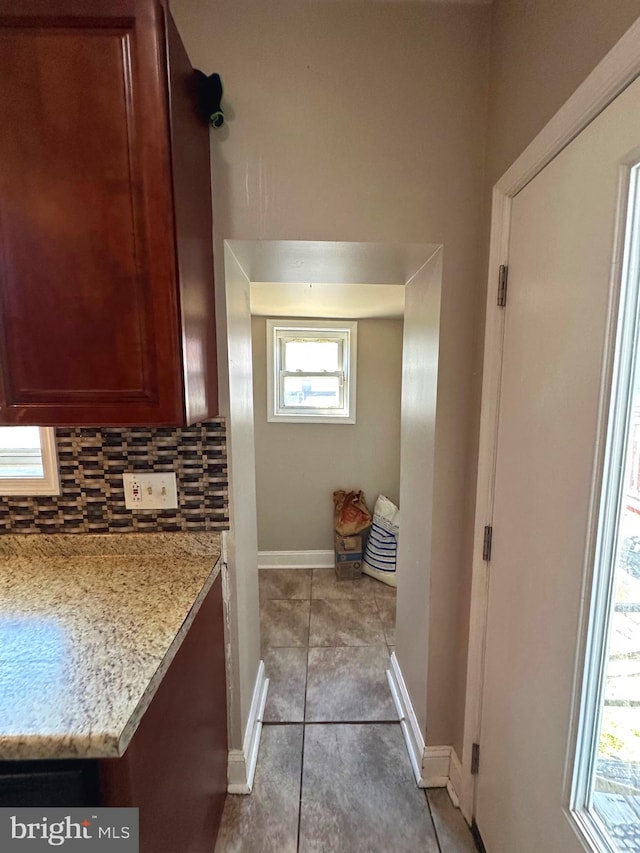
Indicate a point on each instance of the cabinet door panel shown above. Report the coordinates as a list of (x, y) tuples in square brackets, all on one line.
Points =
[(88, 300), (175, 767)]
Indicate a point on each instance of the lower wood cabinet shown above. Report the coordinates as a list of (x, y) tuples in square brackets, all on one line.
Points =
[(175, 767)]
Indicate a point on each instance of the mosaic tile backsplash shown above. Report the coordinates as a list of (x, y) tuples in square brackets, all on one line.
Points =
[(92, 462)]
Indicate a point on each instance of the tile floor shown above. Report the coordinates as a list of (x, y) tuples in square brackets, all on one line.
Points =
[(333, 773)]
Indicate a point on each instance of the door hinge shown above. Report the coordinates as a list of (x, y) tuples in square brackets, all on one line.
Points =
[(503, 275), (486, 543), (475, 759)]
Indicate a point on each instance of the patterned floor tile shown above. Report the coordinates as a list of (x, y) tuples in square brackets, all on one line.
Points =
[(349, 684), (345, 622), (266, 821), (326, 585), (359, 793), (387, 611), (284, 623), (286, 670), (284, 583), (453, 833)]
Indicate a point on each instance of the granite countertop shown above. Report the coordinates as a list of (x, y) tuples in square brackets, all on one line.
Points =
[(88, 627)]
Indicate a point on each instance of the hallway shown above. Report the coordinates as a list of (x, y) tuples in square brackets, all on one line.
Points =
[(333, 772)]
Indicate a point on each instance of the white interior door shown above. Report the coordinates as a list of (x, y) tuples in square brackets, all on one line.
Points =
[(560, 274)]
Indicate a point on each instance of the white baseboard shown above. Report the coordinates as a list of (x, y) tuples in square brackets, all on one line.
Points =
[(410, 728), (433, 766), (454, 785), (296, 559), (436, 761), (441, 768), (241, 767)]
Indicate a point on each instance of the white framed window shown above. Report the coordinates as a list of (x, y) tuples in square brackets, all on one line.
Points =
[(311, 371), (28, 461)]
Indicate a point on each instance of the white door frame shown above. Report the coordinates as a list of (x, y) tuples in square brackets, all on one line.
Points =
[(618, 68)]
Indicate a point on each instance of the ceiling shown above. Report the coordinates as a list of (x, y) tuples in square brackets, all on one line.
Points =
[(331, 301), (298, 278)]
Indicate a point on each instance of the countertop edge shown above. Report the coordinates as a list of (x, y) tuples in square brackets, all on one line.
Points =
[(110, 741)]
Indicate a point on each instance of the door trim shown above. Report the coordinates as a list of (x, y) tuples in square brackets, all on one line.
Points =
[(613, 74)]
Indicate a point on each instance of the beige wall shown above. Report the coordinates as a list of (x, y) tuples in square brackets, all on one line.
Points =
[(541, 50), (298, 466), (364, 122)]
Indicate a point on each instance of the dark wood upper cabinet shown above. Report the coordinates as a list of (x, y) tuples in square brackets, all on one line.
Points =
[(106, 259)]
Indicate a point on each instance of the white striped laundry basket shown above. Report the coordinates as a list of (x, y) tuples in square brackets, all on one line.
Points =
[(380, 556)]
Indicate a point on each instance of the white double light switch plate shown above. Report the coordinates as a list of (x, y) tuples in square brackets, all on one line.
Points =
[(146, 490)]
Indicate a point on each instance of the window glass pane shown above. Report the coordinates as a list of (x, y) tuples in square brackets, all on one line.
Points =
[(312, 356), (312, 392), (613, 792), (616, 786), (20, 454)]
